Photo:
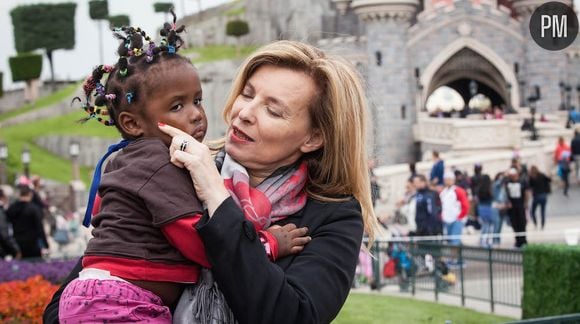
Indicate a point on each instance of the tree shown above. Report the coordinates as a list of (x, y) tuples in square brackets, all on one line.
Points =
[(99, 10), (26, 67), (44, 26), (237, 28), (163, 7), (119, 21)]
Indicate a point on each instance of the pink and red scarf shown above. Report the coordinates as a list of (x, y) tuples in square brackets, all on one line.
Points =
[(277, 197)]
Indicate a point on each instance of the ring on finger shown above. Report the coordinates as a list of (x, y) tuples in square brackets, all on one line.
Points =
[(183, 145)]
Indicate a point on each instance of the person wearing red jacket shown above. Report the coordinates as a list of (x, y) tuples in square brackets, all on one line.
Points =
[(454, 208)]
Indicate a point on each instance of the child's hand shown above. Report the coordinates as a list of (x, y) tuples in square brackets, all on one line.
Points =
[(291, 240)]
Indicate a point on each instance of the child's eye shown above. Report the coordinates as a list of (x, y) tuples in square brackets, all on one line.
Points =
[(197, 101), (177, 107)]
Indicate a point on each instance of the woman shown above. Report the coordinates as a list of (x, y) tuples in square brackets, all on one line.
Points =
[(290, 104), (540, 185)]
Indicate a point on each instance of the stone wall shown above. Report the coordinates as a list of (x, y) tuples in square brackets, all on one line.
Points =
[(91, 148)]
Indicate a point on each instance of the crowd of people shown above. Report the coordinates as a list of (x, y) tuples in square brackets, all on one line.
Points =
[(449, 200)]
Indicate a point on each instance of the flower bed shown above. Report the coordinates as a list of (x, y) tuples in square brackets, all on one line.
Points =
[(53, 271), (24, 301)]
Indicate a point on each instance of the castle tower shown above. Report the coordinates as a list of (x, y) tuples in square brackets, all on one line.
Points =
[(541, 67), (389, 77)]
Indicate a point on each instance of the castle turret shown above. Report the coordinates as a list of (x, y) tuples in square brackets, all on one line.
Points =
[(389, 82)]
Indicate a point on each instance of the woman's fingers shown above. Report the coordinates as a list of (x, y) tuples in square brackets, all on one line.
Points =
[(170, 130), (303, 240)]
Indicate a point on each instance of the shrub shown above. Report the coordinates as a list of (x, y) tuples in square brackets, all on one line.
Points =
[(162, 6), (27, 66), (119, 21), (237, 28), (551, 280), (24, 301), (98, 9)]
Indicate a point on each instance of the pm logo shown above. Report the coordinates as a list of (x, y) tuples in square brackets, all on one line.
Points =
[(554, 26)]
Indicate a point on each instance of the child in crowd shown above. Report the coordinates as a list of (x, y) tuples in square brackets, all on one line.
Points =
[(144, 245)]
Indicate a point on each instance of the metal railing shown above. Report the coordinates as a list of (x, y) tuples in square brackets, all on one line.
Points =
[(490, 275)]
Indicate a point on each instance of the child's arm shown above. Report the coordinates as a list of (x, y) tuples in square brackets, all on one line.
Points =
[(281, 241), (184, 237)]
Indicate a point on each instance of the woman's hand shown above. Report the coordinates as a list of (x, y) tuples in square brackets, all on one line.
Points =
[(187, 152)]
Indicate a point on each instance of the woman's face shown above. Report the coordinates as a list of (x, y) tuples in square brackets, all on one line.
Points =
[(270, 124)]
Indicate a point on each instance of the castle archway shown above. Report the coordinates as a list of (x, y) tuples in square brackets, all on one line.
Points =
[(466, 63)]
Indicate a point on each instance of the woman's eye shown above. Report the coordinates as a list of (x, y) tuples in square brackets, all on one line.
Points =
[(177, 107), (246, 95), (274, 113), (197, 101)]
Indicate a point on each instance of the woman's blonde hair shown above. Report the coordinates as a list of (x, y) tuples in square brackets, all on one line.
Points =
[(338, 111)]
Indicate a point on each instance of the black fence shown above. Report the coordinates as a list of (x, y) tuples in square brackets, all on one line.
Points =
[(491, 275)]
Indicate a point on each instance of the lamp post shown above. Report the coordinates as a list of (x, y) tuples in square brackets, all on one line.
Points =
[(562, 86), (74, 150), (568, 97), (509, 108), (578, 94), (3, 158), (25, 158), (532, 100)]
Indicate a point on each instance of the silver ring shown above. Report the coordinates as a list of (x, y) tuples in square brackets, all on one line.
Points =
[(183, 145)]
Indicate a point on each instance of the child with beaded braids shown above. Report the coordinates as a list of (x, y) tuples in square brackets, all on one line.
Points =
[(144, 245)]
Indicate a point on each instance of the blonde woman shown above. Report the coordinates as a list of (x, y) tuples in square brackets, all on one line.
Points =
[(294, 153)]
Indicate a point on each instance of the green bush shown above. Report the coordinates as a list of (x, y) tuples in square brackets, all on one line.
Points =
[(551, 280), (237, 28), (26, 66), (119, 21), (162, 6), (98, 9), (48, 26)]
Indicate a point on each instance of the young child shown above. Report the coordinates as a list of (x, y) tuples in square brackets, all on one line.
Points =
[(144, 244)]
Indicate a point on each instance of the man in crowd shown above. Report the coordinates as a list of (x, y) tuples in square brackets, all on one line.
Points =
[(575, 148), (26, 219), (428, 208), (518, 197), (455, 206), (436, 176), (8, 244)]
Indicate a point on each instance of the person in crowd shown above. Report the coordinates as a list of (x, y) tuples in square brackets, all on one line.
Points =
[(540, 187), (8, 245), (412, 171), (522, 169), (454, 208), (561, 147), (564, 170), (375, 187), (406, 209), (461, 179), (518, 196), (427, 209), (436, 175), (488, 215), (575, 151), (288, 108), (499, 205), (26, 220)]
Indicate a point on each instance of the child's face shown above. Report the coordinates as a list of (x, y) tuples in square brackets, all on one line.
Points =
[(176, 102)]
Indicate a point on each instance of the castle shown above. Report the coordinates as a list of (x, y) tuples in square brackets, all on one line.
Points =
[(406, 49)]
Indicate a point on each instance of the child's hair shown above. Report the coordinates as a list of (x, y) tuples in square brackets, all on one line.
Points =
[(135, 75)]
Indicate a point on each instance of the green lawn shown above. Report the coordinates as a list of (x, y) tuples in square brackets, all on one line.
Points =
[(219, 52), (46, 101), (43, 162), (379, 309)]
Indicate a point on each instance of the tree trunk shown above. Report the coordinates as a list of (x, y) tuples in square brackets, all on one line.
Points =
[(49, 56), (101, 54), (238, 47)]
